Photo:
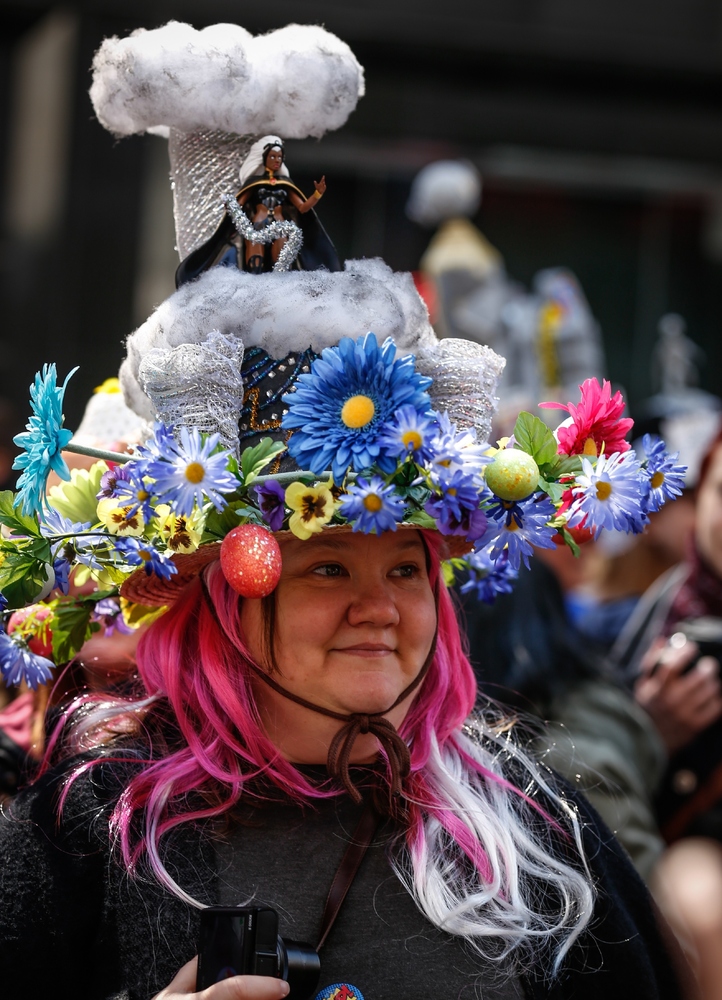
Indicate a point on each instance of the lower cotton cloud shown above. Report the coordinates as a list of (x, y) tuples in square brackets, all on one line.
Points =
[(298, 81), (282, 312)]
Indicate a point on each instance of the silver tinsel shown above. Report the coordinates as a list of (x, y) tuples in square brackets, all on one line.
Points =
[(197, 385), (465, 377), (288, 231), (203, 165)]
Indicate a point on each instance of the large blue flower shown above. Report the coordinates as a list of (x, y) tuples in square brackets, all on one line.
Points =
[(186, 472), (610, 494), (18, 663), (339, 409), (43, 441), (666, 478), (371, 506), (489, 577), (514, 528)]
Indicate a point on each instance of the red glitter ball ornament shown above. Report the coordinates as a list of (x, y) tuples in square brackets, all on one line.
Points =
[(251, 560)]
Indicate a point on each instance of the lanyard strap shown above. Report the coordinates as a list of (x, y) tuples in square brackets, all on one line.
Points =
[(346, 872)]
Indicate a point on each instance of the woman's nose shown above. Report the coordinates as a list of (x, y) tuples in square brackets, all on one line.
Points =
[(374, 604)]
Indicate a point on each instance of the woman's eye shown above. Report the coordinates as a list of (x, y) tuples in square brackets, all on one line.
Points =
[(407, 572), (328, 569)]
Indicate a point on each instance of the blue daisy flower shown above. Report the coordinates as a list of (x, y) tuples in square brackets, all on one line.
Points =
[(43, 441), (3, 603), (186, 472), (75, 545), (666, 478), (138, 552), (488, 577), (610, 494), (132, 490), (340, 408), (407, 434), (18, 663), (372, 507), (453, 451), (457, 510), (162, 445), (515, 527)]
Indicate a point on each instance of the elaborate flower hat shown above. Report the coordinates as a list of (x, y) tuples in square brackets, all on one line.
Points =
[(293, 402)]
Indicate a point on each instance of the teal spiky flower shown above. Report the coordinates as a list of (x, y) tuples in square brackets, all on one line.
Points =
[(43, 441)]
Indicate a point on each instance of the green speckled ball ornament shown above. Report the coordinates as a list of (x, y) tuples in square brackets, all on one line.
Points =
[(513, 474)]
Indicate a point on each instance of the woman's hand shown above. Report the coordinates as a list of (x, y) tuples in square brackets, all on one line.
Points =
[(236, 988), (680, 703)]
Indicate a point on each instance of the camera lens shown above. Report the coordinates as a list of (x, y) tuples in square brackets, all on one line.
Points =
[(300, 966)]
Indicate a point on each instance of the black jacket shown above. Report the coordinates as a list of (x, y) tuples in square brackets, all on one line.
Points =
[(74, 924)]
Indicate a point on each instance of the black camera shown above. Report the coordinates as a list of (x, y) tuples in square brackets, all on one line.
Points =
[(244, 940), (706, 633)]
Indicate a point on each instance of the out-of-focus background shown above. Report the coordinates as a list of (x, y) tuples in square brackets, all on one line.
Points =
[(597, 129)]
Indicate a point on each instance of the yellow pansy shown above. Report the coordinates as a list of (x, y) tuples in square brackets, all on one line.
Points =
[(312, 506), (181, 534), (120, 520)]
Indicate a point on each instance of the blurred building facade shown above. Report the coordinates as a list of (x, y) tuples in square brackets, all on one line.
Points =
[(597, 129)]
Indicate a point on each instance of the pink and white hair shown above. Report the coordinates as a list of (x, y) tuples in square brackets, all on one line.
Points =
[(475, 854)]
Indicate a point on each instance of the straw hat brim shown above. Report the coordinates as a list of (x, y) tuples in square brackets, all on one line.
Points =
[(153, 591)]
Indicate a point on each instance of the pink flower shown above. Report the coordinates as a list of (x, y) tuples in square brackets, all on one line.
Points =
[(595, 423)]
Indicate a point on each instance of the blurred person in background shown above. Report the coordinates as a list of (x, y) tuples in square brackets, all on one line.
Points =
[(527, 654)]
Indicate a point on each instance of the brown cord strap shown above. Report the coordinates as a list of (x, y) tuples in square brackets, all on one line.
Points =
[(339, 752), (354, 854)]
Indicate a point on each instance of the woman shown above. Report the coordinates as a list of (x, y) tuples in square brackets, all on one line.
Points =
[(527, 654), (195, 778), (267, 194)]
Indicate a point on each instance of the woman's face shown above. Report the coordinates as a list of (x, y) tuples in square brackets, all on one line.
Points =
[(355, 620), (274, 159), (708, 517)]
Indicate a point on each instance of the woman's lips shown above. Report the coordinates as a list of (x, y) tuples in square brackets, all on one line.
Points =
[(367, 649)]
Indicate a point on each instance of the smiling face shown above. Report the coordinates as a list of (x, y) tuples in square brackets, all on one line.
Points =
[(355, 620)]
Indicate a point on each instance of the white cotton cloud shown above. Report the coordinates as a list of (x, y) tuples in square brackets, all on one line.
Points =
[(298, 81), (281, 313), (443, 190)]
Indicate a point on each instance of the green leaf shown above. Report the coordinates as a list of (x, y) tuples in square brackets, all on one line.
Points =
[(71, 628), (553, 490), (10, 516), (566, 535), (219, 523), (22, 577), (77, 499), (255, 459), (420, 518), (534, 437), (561, 465)]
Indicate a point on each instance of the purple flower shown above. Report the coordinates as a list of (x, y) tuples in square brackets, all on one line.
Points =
[(138, 552), (372, 506), (457, 509), (107, 612), (18, 663), (109, 481), (515, 527), (271, 499), (133, 492), (488, 577), (666, 479), (610, 494), (61, 568), (407, 433)]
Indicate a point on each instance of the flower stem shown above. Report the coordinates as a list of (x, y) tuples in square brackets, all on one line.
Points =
[(108, 456)]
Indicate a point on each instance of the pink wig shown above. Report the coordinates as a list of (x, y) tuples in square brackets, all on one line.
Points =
[(188, 665)]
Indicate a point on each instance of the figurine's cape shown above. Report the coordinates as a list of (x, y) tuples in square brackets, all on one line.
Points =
[(317, 252)]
